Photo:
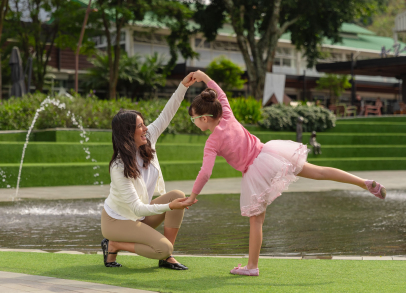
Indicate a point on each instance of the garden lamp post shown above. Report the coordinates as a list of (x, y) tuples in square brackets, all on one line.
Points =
[(88, 10)]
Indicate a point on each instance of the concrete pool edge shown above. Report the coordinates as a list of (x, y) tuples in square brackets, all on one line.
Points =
[(330, 257), (392, 180)]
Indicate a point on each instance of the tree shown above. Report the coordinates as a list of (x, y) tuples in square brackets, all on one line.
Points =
[(226, 73), (41, 25), (4, 7), (336, 84), (116, 14), (259, 24), (136, 75), (382, 23)]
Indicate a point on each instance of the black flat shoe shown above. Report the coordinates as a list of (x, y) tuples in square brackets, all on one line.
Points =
[(163, 263), (105, 248)]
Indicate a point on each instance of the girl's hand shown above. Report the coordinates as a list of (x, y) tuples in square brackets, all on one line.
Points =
[(190, 200), (181, 203), (188, 80), (201, 76)]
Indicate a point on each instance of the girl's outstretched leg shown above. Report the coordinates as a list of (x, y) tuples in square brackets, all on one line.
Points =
[(326, 173)]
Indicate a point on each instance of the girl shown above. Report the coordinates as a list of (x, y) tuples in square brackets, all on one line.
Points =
[(267, 169)]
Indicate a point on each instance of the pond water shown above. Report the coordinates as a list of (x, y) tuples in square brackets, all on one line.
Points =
[(324, 223)]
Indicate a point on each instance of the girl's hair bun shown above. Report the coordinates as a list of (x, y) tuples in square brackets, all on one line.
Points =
[(209, 95)]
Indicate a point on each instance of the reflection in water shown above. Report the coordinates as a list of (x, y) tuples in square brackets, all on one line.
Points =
[(339, 222)]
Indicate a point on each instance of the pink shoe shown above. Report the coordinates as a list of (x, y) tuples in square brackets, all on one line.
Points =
[(376, 189), (244, 271)]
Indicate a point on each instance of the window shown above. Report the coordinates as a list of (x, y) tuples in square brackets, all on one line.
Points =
[(287, 62), (284, 57)]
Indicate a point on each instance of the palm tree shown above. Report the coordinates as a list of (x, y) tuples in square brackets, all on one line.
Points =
[(137, 74)]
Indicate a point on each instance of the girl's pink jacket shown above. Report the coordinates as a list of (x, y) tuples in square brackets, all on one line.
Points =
[(229, 140)]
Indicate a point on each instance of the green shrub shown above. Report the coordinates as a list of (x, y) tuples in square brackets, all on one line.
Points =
[(226, 73), (283, 118), (246, 110), (17, 114)]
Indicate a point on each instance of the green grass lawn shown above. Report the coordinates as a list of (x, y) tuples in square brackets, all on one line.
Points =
[(212, 274)]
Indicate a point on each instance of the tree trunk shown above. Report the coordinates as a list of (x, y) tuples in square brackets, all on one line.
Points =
[(1, 83), (3, 12)]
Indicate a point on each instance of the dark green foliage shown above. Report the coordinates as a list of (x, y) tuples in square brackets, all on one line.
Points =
[(114, 15), (17, 114), (226, 73), (135, 76), (335, 83), (283, 118), (246, 110), (259, 24)]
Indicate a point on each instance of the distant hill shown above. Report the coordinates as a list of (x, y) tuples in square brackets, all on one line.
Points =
[(383, 23)]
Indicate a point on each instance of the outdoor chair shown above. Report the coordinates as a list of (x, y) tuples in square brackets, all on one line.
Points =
[(369, 109), (399, 108), (337, 109), (351, 110)]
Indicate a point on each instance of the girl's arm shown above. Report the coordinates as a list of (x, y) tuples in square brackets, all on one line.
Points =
[(221, 96), (209, 159), (156, 128)]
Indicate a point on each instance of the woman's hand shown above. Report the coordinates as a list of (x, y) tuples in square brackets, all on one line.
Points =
[(181, 203), (188, 80), (201, 76)]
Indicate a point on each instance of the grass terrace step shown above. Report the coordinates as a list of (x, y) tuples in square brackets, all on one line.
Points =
[(389, 118), (56, 135), (63, 174), (368, 127), (51, 152), (339, 138)]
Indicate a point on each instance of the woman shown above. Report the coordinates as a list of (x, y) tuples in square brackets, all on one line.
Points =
[(130, 216)]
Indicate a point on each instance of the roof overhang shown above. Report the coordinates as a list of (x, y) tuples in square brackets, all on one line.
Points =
[(388, 67)]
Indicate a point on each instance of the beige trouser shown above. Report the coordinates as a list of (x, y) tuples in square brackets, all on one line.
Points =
[(147, 241)]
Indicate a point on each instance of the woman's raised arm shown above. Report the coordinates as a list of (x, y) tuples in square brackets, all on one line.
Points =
[(156, 128)]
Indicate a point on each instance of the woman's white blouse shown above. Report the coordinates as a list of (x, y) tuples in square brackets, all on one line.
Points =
[(129, 197), (150, 176)]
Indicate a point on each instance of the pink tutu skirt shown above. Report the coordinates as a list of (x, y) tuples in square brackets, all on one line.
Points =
[(270, 174)]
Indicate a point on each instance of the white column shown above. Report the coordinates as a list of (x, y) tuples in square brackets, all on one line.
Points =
[(192, 44), (298, 62)]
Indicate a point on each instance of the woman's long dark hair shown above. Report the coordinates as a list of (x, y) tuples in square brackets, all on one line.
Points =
[(123, 125)]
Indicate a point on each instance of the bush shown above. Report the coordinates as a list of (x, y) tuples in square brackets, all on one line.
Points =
[(283, 118), (17, 114), (246, 110), (226, 73)]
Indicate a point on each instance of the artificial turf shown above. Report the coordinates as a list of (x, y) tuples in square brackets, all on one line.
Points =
[(207, 274)]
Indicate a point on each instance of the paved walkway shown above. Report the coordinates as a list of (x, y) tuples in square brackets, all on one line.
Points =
[(390, 179), (22, 283)]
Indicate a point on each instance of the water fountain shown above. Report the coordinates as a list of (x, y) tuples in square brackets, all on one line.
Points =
[(48, 101)]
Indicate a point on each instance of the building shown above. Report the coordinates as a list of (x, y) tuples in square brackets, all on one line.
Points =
[(146, 38)]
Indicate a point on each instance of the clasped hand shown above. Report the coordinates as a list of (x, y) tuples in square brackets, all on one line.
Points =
[(182, 203)]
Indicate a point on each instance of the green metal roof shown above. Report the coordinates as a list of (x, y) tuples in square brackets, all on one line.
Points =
[(355, 29)]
